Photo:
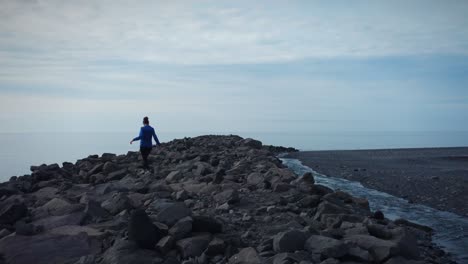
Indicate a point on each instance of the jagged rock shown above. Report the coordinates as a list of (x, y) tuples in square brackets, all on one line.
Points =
[(206, 224), (325, 246), (142, 231), (281, 187), (289, 241), (229, 196), (181, 228), (255, 179), (42, 248), (117, 203), (165, 244), (174, 176), (4, 232), (51, 222), (94, 212), (124, 252), (246, 256), (173, 212), (380, 249), (193, 246), (96, 169), (109, 166), (57, 207), (252, 143), (215, 247), (117, 175), (329, 208), (401, 260), (12, 212)]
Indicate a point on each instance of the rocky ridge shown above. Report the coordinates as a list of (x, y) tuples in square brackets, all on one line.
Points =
[(209, 199)]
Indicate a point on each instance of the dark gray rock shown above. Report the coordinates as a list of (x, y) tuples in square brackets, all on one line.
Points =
[(325, 246), (246, 256), (125, 252), (42, 248), (230, 196), (117, 175), (193, 246), (94, 212), (117, 203), (289, 241), (12, 212), (165, 244), (172, 212), (215, 247), (206, 224), (142, 231), (181, 228)]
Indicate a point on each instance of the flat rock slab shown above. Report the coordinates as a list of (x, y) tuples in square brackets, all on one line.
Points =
[(46, 248)]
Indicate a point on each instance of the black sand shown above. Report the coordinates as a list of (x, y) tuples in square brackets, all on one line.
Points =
[(437, 177)]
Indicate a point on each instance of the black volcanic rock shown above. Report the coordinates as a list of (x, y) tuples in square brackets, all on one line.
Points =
[(208, 199), (142, 231)]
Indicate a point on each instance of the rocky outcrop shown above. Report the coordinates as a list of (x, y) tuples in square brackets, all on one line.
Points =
[(209, 199)]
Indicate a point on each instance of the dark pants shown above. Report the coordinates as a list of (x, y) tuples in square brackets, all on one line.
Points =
[(144, 154)]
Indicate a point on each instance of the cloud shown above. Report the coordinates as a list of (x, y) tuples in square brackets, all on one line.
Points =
[(224, 32)]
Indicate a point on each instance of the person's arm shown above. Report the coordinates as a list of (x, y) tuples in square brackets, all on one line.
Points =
[(139, 136), (156, 138)]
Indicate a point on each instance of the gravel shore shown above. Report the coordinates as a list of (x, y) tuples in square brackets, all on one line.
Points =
[(436, 177)]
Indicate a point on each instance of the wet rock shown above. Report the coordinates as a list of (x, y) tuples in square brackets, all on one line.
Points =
[(289, 241), (142, 231), (281, 187)]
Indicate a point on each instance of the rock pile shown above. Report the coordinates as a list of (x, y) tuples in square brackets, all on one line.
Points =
[(209, 199)]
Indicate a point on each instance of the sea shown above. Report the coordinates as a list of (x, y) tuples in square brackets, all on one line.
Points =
[(19, 151)]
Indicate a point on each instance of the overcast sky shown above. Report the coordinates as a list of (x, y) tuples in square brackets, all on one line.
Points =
[(231, 66)]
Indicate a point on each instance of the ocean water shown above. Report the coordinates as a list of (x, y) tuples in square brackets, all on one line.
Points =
[(450, 230), (21, 150)]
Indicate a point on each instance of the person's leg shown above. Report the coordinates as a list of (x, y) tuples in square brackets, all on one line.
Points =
[(144, 154)]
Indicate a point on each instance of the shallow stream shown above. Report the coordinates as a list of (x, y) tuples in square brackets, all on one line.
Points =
[(450, 230)]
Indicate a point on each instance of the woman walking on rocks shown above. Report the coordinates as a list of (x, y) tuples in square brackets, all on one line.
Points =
[(146, 133)]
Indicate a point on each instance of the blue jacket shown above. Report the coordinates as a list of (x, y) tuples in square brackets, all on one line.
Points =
[(146, 132)]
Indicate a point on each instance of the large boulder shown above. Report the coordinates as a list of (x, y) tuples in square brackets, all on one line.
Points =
[(289, 241), (181, 228), (47, 248), (206, 224), (229, 196), (380, 249), (142, 231), (12, 212), (193, 246), (170, 213), (124, 252), (117, 203), (325, 246)]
